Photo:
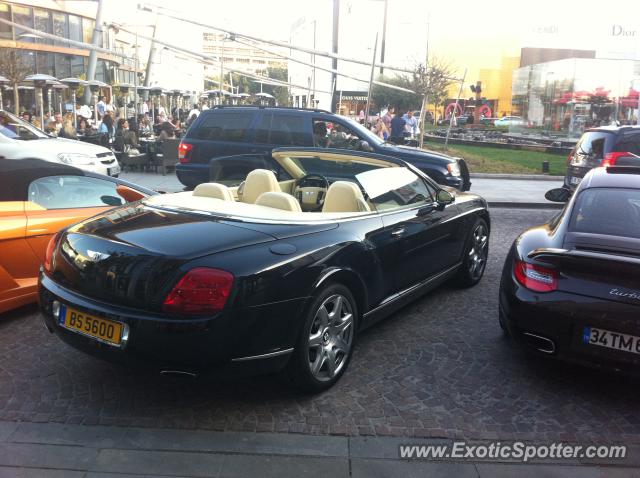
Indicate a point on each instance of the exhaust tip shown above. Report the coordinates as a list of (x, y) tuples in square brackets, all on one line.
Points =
[(540, 343), (179, 373)]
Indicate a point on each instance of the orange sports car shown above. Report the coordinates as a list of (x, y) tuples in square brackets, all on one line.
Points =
[(37, 199)]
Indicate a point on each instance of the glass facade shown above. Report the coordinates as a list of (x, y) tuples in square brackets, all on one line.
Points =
[(53, 62), (565, 97)]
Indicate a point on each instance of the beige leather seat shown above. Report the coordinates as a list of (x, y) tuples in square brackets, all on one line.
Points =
[(279, 201), (259, 181), (214, 190), (344, 196)]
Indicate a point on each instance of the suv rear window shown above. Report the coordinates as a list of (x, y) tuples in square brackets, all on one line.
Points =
[(591, 148), (223, 126), (608, 211), (629, 142)]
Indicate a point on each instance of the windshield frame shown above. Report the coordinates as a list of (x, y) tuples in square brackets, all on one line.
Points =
[(39, 134)]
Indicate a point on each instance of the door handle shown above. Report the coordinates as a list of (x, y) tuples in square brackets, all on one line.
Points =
[(397, 232)]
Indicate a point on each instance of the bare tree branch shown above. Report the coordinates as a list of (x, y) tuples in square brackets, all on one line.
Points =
[(14, 68)]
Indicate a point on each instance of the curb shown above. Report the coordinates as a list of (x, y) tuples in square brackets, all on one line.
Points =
[(525, 205), (535, 177)]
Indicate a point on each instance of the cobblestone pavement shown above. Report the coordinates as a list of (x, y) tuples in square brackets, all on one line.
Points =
[(438, 368)]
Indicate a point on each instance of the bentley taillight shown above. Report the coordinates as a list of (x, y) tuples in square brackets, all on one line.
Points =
[(201, 291), (51, 247), (536, 278)]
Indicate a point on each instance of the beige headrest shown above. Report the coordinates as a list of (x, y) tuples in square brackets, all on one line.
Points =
[(344, 196), (213, 190), (279, 201), (259, 181)]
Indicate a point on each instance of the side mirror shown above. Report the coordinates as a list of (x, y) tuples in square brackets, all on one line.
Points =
[(557, 195), (444, 197), (365, 146), (111, 200)]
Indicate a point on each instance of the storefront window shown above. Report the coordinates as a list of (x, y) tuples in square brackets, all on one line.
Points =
[(77, 66), (23, 16), (28, 58), (60, 26), (75, 28), (45, 63), (42, 23), (87, 30), (63, 66), (6, 32)]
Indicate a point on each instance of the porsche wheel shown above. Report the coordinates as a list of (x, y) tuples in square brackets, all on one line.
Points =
[(325, 346)]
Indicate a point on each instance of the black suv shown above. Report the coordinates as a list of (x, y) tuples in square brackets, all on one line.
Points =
[(604, 146), (253, 132)]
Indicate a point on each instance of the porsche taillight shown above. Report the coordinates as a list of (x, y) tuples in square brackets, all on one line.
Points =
[(51, 247), (201, 291), (536, 278), (610, 159)]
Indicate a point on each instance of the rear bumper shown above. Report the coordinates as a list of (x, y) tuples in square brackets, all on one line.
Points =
[(192, 174), (257, 339), (574, 176), (561, 317)]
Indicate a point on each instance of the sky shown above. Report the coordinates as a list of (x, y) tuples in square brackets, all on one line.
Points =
[(469, 33)]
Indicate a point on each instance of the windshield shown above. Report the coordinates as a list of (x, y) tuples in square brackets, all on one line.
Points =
[(332, 170), (363, 132), (15, 128)]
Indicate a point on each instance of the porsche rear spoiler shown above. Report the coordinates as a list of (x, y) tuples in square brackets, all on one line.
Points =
[(553, 255)]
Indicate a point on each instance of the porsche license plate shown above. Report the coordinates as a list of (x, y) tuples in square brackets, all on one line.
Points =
[(611, 340), (101, 329), (113, 171)]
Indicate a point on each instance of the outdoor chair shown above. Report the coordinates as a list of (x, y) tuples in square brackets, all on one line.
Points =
[(168, 157)]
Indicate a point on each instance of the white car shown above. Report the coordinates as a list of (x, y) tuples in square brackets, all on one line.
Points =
[(510, 121), (21, 140)]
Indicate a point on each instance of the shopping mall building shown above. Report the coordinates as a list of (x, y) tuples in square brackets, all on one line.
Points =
[(73, 21)]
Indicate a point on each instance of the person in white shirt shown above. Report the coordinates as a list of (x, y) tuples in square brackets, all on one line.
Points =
[(102, 107), (411, 123)]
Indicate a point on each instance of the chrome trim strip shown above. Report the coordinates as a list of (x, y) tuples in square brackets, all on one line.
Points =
[(263, 356), (399, 295)]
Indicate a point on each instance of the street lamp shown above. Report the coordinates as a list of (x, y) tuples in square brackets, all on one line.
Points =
[(73, 84), (40, 82)]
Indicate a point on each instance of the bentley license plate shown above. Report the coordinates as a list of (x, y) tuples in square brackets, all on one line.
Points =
[(101, 329), (611, 340)]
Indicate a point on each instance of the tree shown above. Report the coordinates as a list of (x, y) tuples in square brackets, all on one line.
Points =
[(432, 82), (383, 96), (14, 68), (280, 93)]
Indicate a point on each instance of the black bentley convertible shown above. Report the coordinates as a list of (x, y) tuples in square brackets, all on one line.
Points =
[(570, 288), (270, 274)]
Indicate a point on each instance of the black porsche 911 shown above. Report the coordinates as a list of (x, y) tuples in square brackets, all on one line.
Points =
[(571, 288), (266, 275)]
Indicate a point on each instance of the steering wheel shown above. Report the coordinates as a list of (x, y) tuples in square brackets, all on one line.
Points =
[(310, 196)]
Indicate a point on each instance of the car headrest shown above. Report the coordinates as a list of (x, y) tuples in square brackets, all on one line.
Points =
[(344, 196), (259, 181), (279, 200), (213, 190)]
